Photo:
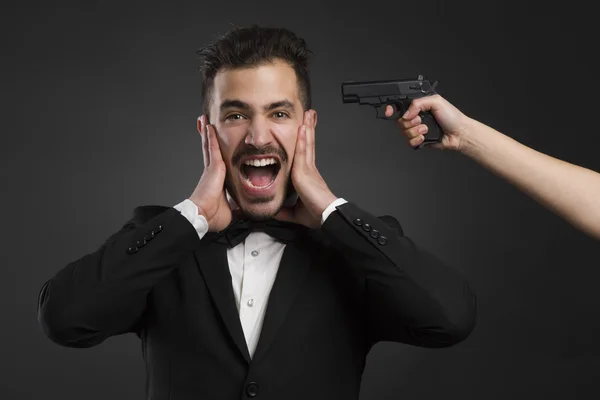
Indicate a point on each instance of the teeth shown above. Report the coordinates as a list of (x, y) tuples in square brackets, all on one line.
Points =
[(254, 186), (260, 163)]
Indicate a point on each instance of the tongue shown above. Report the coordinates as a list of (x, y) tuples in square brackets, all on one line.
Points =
[(260, 176)]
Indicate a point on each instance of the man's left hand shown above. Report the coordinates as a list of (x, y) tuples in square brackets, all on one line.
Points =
[(314, 194)]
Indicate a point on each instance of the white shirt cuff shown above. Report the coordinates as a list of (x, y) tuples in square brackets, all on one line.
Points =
[(189, 210), (331, 208)]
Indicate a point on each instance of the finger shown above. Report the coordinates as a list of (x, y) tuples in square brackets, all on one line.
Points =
[(414, 142), (417, 106), (300, 156), (202, 130), (213, 145), (389, 110), (404, 124), (309, 138), (416, 131)]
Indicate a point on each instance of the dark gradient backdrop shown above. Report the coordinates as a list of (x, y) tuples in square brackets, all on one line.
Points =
[(100, 101)]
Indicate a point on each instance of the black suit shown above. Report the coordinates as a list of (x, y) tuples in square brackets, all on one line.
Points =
[(338, 291)]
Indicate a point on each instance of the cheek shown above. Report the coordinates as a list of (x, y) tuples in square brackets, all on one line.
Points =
[(229, 141), (286, 136)]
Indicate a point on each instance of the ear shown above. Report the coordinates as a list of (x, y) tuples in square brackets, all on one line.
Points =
[(314, 118)]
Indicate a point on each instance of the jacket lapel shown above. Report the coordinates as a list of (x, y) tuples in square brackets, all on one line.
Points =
[(212, 260), (292, 270)]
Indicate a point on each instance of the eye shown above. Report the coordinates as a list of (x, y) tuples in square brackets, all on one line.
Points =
[(234, 116), (280, 114)]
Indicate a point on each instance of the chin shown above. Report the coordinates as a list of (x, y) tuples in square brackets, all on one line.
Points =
[(260, 208), (262, 211)]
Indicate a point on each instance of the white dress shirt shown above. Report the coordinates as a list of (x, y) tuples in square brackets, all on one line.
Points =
[(253, 265)]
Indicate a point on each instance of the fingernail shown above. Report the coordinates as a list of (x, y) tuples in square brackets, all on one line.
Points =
[(405, 114), (423, 129)]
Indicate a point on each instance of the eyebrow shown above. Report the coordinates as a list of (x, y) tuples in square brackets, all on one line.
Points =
[(245, 106)]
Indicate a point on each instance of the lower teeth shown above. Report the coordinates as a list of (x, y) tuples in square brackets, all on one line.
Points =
[(254, 186)]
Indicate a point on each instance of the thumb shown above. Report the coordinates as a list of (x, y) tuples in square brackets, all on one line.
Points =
[(419, 105)]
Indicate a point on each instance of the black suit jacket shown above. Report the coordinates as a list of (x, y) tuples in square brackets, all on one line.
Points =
[(339, 290)]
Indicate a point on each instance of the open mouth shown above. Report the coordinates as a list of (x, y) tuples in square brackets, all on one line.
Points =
[(260, 173)]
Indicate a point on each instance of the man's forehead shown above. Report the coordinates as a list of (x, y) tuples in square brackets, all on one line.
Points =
[(267, 83)]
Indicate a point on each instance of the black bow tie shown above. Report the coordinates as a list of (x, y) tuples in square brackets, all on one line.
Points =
[(239, 229)]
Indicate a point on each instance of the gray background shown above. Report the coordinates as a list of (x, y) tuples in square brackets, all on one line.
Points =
[(99, 108)]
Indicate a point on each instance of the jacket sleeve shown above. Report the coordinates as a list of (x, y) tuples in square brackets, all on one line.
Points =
[(104, 293), (411, 296)]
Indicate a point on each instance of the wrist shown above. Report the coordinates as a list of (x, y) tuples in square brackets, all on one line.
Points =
[(327, 200), (470, 137), (198, 207)]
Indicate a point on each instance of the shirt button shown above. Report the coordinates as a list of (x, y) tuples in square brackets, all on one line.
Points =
[(254, 253), (250, 302)]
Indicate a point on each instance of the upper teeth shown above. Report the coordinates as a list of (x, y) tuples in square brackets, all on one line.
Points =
[(260, 163)]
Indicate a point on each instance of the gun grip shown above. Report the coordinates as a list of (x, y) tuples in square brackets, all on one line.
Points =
[(434, 131)]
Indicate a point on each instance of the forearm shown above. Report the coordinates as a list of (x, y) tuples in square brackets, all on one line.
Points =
[(410, 295), (104, 293), (570, 191)]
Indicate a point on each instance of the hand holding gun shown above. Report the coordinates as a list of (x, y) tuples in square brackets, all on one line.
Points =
[(398, 94), (569, 190)]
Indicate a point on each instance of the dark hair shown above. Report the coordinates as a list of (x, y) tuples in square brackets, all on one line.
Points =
[(246, 47)]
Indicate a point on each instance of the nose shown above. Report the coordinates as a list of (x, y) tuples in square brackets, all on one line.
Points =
[(259, 133)]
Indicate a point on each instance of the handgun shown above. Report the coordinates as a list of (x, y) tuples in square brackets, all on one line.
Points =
[(398, 93)]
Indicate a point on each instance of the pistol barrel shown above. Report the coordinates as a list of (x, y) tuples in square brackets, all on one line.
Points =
[(368, 91), (349, 92), (353, 92)]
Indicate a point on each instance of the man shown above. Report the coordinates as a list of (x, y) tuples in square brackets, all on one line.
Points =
[(570, 191), (289, 311)]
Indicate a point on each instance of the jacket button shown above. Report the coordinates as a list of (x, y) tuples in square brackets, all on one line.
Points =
[(252, 389), (366, 227), (374, 233), (132, 250), (358, 222), (382, 240)]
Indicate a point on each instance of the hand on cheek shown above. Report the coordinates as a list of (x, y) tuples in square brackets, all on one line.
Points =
[(314, 194)]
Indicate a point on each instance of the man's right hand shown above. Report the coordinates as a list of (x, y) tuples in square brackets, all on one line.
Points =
[(209, 196)]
